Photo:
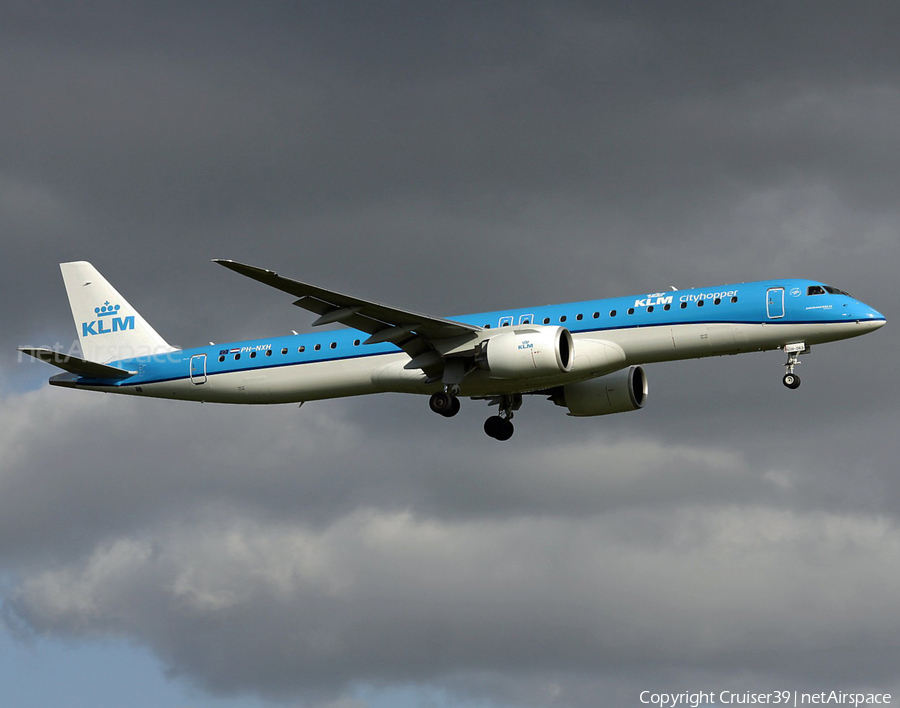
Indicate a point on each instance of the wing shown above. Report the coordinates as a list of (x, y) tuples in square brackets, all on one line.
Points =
[(413, 332)]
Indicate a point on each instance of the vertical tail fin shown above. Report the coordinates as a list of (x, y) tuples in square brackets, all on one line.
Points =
[(109, 329)]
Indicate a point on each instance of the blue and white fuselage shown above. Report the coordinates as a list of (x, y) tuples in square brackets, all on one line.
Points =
[(586, 355)]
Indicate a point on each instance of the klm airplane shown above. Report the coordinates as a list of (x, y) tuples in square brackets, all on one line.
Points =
[(584, 356)]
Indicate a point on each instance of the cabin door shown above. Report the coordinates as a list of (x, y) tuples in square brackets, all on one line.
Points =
[(775, 303), (198, 369)]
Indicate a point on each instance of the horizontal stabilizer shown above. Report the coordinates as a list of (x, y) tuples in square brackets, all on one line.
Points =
[(74, 365)]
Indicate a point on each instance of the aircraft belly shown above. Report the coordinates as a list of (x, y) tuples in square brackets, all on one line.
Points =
[(325, 379), (692, 341), (291, 384), (390, 375)]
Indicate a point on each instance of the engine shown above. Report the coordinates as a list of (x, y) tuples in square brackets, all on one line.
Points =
[(622, 391), (527, 353)]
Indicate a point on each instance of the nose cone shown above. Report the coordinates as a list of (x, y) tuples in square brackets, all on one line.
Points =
[(873, 318)]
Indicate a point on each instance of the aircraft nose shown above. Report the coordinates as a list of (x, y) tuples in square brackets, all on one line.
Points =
[(873, 318)]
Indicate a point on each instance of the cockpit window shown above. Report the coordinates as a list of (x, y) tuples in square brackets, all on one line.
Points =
[(822, 289), (835, 291)]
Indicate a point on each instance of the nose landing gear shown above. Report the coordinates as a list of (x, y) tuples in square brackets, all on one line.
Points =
[(790, 379)]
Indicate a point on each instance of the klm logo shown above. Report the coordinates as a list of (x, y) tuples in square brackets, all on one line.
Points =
[(654, 299), (107, 321), (526, 345)]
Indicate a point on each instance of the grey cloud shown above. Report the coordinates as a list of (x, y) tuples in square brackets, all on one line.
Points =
[(393, 597)]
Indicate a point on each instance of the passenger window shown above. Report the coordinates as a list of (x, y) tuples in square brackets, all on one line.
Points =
[(284, 351), (650, 308), (237, 356), (300, 350), (334, 345), (221, 359), (734, 299), (317, 347), (667, 306), (355, 342), (579, 317), (546, 320), (596, 315), (252, 355), (717, 301), (612, 313), (683, 305), (268, 352), (630, 310), (562, 319), (700, 303)]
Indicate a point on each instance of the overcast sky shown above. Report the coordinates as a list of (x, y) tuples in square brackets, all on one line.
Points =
[(447, 158)]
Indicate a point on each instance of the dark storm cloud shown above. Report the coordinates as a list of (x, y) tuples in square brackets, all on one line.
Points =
[(271, 134), (450, 159)]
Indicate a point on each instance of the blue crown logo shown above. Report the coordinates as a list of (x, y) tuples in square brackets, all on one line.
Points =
[(101, 326), (107, 309)]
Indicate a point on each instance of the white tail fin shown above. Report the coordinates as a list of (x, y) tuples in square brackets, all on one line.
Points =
[(109, 329)]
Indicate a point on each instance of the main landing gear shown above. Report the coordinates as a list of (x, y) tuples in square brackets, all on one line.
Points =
[(444, 403), (499, 427), (790, 379)]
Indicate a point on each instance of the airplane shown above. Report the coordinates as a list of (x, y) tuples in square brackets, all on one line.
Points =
[(587, 357)]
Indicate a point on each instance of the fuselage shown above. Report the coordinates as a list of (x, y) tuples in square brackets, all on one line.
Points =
[(652, 327)]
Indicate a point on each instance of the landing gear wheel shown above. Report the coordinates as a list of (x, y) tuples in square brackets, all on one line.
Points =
[(792, 381), (499, 428), (444, 404)]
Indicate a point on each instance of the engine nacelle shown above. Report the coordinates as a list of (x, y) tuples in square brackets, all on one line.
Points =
[(622, 391), (527, 353)]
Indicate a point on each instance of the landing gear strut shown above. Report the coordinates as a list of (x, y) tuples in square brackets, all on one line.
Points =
[(500, 426), (790, 379)]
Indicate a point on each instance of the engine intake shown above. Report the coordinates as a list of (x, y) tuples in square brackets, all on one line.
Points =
[(622, 391), (527, 353)]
